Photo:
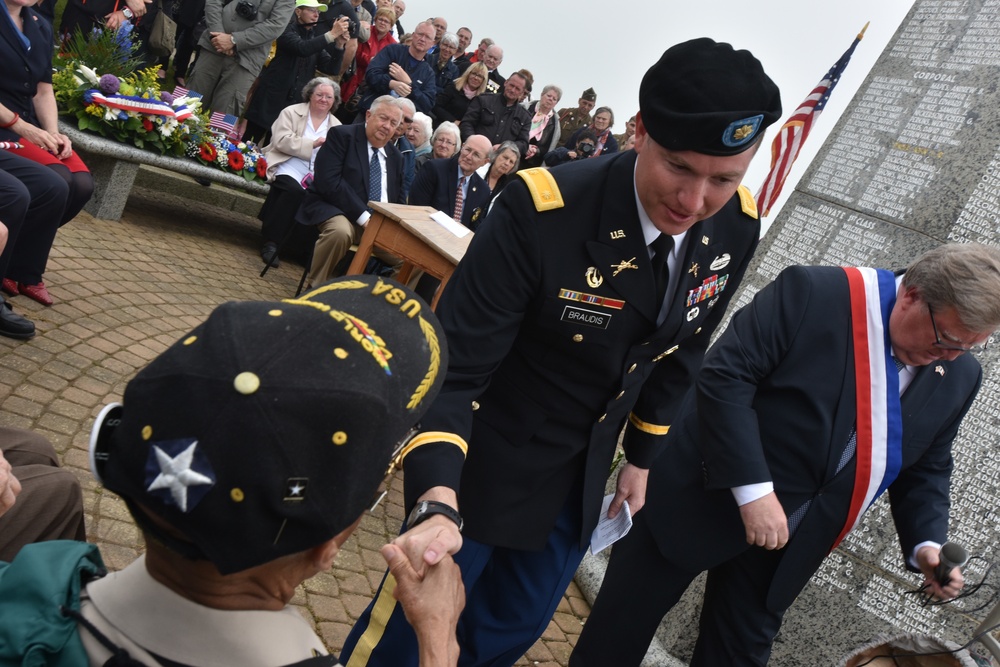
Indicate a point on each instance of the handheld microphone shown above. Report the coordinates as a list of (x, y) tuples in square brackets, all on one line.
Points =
[(952, 555)]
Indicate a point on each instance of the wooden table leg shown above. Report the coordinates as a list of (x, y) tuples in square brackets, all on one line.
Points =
[(365, 247)]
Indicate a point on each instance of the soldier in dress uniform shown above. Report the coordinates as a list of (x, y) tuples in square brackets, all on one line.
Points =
[(584, 306), (571, 120)]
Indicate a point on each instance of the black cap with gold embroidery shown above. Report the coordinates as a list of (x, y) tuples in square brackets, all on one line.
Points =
[(266, 430), (707, 97)]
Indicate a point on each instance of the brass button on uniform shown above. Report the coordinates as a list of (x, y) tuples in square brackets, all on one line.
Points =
[(632, 367), (577, 338), (620, 394), (475, 405), (698, 330)]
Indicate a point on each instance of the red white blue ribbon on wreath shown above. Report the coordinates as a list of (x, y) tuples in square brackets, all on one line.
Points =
[(140, 105), (879, 454)]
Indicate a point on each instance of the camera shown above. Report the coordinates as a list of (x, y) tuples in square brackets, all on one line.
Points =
[(352, 26), (585, 149), (246, 10)]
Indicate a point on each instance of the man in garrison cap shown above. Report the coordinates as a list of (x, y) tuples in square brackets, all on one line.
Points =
[(583, 307), (247, 453), (572, 119)]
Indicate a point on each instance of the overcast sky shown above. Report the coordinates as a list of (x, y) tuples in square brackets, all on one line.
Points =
[(580, 44)]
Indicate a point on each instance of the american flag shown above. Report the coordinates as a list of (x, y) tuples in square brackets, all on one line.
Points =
[(792, 135), (224, 123)]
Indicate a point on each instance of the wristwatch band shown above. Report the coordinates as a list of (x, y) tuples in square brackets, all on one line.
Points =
[(425, 509), (128, 13)]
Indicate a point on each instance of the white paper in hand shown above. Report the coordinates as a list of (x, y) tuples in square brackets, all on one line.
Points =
[(609, 531)]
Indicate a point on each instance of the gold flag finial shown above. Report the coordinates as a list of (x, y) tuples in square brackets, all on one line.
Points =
[(862, 33)]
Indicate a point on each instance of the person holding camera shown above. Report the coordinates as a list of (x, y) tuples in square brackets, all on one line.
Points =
[(233, 49), (604, 142), (586, 144), (300, 52)]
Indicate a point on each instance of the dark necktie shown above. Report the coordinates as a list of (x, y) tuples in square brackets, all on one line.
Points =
[(849, 451), (375, 178), (459, 200), (661, 246)]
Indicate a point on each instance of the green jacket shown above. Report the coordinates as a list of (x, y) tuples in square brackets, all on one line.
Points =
[(42, 578)]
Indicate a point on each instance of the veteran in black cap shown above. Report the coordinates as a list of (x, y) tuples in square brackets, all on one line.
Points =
[(247, 453), (583, 307)]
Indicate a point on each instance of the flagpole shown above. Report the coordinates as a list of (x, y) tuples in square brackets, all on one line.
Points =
[(793, 134)]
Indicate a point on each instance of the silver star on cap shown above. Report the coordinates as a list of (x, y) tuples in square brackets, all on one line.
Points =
[(176, 474)]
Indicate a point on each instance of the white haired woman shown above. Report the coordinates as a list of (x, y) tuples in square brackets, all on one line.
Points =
[(296, 137), (445, 143)]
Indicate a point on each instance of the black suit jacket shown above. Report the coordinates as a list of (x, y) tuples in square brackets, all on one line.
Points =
[(436, 184), (340, 181), (541, 383), (775, 401)]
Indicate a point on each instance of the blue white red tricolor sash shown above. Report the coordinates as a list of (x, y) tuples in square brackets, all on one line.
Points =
[(879, 421)]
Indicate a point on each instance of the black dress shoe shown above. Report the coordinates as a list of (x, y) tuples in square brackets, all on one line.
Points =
[(269, 253), (13, 325)]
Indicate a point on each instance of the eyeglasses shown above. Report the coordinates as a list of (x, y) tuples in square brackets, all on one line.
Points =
[(953, 347), (444, 141), (474, 153)]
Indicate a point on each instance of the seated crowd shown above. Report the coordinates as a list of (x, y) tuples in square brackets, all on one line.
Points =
[(421, 98)]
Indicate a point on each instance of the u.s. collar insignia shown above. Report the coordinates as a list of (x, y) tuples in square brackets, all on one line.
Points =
[(939, 370), (742, 131), (594, 277), (625, 264), (694, 269), (617, 234), (720, 262)]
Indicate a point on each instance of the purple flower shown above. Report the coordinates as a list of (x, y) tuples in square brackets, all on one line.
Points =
[(166, 97), (108, 84)]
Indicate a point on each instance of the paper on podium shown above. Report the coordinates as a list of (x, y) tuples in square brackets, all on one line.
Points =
[(449, 223), (609, 531)]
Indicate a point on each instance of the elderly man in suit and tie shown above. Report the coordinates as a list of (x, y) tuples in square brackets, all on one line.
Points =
[(355, 165), (833, 385), (453, 186)]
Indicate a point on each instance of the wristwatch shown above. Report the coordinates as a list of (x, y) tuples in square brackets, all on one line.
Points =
[(425, 509), (128, 13)]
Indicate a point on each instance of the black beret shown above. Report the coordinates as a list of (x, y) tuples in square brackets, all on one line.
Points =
[(707, 97), (267, 429)]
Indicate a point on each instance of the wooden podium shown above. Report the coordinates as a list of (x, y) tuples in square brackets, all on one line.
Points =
[(408, 232)]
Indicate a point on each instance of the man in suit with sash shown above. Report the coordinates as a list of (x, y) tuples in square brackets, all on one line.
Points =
[(832, 386)]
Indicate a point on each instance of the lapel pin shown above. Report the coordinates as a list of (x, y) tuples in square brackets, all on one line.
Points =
[(939, 370), (621, 266), (704, 240), (594, 277), (617, 234), (694, 269)]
